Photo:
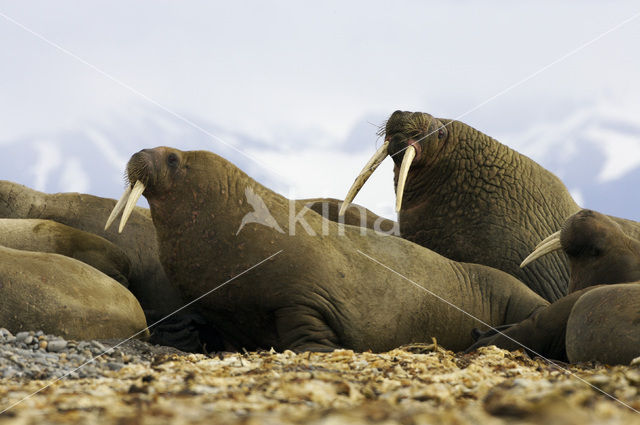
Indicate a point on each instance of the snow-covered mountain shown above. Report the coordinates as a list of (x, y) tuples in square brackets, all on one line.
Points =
[(595, 151), (92, 158)]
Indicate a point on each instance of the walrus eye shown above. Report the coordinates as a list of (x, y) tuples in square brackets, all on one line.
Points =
[(172, 160), (441, 133)]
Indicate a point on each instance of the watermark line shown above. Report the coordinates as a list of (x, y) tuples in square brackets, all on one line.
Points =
[(138, 333), (140, 94), (551, 362)]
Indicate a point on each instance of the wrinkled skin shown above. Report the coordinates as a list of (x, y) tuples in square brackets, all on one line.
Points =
[(318, 292), (471, 198), (600, 318), (66, 297), (49, 236), (147, 279)]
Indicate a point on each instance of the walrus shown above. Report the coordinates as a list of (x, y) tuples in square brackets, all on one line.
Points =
[(66, 297), (89, 213), (147, 280), (354, 215), (286, 283), (600, 318), (50, 236), (604, 325), (598, 249), (470, 198)]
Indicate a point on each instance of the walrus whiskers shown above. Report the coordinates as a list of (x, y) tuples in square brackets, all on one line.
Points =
[(364, 175), (548, 245), (136, 193), (118, 208), (409, 155)]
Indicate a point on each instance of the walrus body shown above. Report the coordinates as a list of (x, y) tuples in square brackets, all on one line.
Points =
[(604, 325), (66, 297), (49, 236), (600, 318), (147, 279), (317, 290), (471, 198), (355, 215)]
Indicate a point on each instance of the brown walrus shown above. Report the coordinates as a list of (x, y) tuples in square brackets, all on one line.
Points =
[(147, 279), (50, 236), (354, 215), (600, 318), (604, 325), (89, 213), (66, 297), (280, 281), (470, 198)]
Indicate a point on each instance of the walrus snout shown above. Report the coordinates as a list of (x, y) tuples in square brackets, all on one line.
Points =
[(398, 144), (599, 251), (405, 133), (140, 176), (140, 167), (585, 233)]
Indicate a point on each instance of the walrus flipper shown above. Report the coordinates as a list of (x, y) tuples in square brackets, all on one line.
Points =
[(542, 334), (187, 332), (304, 331)]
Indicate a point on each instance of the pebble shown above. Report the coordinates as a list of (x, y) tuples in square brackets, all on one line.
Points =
[(36, 355), (56, 345), (21, 336)]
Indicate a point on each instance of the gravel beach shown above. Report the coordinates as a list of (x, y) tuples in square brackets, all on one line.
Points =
[(138, 383)]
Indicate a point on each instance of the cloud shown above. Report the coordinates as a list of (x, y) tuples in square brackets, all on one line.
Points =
[(47, 160)]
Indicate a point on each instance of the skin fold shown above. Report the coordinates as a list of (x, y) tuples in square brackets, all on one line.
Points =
[(319, 291), (66, 297), (600, 318), (50, 236), (473, 199), (147, 279)]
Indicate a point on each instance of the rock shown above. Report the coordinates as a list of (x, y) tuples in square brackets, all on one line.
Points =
[(22, 336), (115, 365), (56, 345), (98, 346)]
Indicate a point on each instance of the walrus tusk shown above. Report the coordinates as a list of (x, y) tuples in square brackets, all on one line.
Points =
[(409, 154), (548, 245), (136, 193), (364, 175), (118, 208)]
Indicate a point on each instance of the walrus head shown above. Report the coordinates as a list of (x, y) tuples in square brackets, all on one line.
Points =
[(412, 140), (151, 172), (599, 251)]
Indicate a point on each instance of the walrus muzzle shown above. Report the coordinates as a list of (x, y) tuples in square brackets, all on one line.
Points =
[(377, 158), (127, 202), (548, 245)]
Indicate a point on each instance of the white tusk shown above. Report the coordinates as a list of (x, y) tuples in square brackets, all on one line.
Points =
[(118, 208), (136, 193), (409, 154), (550, 244), (556, 235), (364, 175)]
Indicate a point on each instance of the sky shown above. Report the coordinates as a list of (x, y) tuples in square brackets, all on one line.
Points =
[(297, 88)]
